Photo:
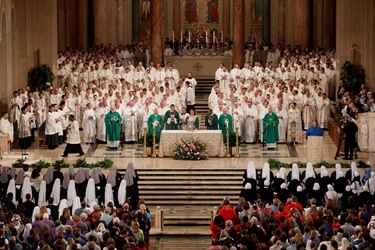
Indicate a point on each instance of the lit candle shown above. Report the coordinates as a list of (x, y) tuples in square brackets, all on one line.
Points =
[(173, 36)]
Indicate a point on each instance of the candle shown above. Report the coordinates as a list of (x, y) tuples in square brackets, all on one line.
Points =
[(181, 37), (173, 36), (222, 36), (189, 36), (213, 37), (206, 37)]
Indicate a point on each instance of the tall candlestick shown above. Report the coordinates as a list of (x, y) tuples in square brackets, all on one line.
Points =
[(189, 36), (206, 37), (173, 37), (181, 37), (222, 36), (213, 37)]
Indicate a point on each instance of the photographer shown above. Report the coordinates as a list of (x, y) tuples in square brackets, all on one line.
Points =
[(350, 129)]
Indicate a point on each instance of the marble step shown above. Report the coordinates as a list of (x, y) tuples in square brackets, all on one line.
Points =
[(188, 192), (204, 172), (184, 202), (191, 231), (188, 182), (185, 187), (189, 197), (192, 177)]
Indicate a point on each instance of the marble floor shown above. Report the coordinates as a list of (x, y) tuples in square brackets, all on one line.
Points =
[(133, 152)]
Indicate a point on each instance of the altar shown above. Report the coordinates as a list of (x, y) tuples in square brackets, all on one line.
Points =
[(212, 138), (201, 66)]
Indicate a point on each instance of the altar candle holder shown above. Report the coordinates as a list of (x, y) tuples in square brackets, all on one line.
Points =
[(144, 142), (153, 143), (237, 154), (228, 153)]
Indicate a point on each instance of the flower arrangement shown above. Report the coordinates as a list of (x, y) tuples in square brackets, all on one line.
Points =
[(191, 149)]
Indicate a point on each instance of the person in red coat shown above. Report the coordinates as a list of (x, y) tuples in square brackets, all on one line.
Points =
[(227, 211)]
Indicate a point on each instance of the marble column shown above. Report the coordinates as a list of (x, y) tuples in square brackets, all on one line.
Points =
[(177, 19), (318, 23), (266, 21), (301, 21), (238, 32), (101, 32), (136, 20), (226, 18), (82, 24), (157, 9), (120, 21)]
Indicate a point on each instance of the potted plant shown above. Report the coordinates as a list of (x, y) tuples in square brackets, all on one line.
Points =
[(352, 76), (39, 76)]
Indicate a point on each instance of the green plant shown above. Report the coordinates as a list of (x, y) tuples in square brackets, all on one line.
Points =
[(106, 163), (39, 76), (276, 164), (41, 164), (62, 163), (19, 163), (81, 163), (352, 76)]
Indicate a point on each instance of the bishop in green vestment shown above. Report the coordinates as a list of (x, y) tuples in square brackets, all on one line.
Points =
[(156, 121), (225, 119), (211, 120), (171, 119), (270, 127), (113, 122)]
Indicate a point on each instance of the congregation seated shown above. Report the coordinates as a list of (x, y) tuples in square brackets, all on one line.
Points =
[(322, 218), (75, 221)]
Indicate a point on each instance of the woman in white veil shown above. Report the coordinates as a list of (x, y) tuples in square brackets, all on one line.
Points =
[(266, 175), (26, 189), (76, 204), (42, 194), (12, 189), (335, 174), (71, 194), (122, 192), (62, 206), (108, 196), (56, 189), (90, 192)]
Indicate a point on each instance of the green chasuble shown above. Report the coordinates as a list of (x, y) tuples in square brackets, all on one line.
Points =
[(169, 125), (113, 126), (211, 122), (270, 128), (157, 121), (222, 125)]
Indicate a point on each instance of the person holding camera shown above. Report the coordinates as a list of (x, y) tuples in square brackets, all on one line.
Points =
[(350, 129)]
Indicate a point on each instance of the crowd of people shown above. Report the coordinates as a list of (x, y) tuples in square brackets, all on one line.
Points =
[(299, 210), (72, 210)]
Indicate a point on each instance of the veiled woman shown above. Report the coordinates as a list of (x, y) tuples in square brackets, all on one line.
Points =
[(132, 191)]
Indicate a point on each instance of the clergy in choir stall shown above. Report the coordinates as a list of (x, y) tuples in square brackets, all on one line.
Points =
[(113, 122), (155, 121), (100, 114), (52, 137), (41, 109), (6, 128), (15, 110), (225, 121), (89, 124), (270, 128), (282, 114), (251, 121), (314, 130), (171, 119), (183, 119), (238, 117), (308, 110), (130, 122), (294, 133), (73, 140), (324, 110), (211, 120), (192, 121)]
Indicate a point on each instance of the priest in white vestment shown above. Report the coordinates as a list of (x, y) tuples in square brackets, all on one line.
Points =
[(251, 122), (100, 114), (238, 118), (308, 111), (324, 111), (294, 125), (183, 119), (73, 145), (89, 125), (6, 128), (130, 122), (282, 114)]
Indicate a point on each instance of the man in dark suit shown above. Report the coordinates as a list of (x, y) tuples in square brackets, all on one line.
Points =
[(54, 209), (8, 202), (27, 207)]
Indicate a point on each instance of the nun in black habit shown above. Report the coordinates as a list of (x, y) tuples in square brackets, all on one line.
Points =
[(266, 193), (294, 179), (317, 194), (114, 178), (284, 194), (250, 175), (81, 179), (249, 193), (301, 196), (279, 179), (4, 181), (267, 174), (132, 191), (309, 177), (340, 183)]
